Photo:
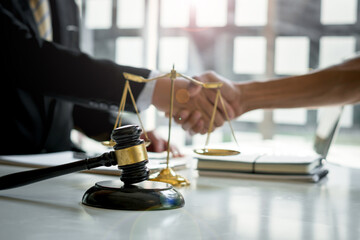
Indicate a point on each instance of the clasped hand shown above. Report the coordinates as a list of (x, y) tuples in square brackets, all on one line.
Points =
[(194, 111)]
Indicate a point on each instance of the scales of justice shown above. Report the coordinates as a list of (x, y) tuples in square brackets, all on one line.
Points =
[(168, 175), (134, 191)]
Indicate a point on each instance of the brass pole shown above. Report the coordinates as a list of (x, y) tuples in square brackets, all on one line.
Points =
[(212, 117), (172, 78)]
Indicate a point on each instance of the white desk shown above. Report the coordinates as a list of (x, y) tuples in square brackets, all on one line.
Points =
[(215, 208)]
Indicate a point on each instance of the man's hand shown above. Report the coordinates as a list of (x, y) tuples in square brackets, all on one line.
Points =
[(194, 114), (230, 93), (158, 144)]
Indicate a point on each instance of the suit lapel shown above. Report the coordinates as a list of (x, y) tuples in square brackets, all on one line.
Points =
[(55, 19), (28, 17)]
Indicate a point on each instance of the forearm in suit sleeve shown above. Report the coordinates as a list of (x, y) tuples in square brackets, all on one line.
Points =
[(50, 69)]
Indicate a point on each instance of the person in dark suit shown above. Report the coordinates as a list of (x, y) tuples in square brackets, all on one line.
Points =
[(43, 79)]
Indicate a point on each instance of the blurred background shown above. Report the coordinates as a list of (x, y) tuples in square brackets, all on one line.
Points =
[(241, 40)]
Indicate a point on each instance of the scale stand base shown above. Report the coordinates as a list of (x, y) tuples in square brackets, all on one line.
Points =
[(147, 195), (167, 175)]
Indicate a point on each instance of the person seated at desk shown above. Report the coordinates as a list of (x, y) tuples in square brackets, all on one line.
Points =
[(336, 85), (46, 74)]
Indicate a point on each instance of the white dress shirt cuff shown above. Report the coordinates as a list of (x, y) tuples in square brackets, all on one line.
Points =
[(145, 97)]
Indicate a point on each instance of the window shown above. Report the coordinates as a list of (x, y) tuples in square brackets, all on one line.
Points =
[(335, 49), (290, 116), (129, 51), (251, 12), (338, 11), (291, 55), (130, 14), (240, 39), (98, 14), (211, 13), (173, 51), (249, 55), (174, 13)]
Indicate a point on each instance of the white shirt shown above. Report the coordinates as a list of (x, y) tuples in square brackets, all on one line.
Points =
[(145, 97)]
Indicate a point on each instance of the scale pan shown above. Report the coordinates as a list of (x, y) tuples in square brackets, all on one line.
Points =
[(216, 152)]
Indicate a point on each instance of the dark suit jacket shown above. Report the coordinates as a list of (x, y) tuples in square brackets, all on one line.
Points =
[(42, 80)]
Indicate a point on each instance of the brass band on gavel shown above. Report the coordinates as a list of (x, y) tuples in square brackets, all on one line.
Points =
[(131, 155)]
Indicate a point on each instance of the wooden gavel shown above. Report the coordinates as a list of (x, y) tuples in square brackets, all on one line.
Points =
[(129, 154)]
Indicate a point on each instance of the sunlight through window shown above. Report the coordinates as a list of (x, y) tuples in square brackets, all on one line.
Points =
[(292, 55), (338, 11), (98, 14), (334, 50), (129, 51), (249, 55), (175, 13), (130, 14), (211, 13), (251, 12), (290, 116), (174, 50)]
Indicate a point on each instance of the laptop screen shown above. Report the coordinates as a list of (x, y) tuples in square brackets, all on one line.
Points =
[(327, 128)]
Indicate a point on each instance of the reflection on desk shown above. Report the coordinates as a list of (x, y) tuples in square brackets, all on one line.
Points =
[(215, 208)]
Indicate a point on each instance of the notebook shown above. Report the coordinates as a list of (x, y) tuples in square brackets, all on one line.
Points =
[(295, 166)]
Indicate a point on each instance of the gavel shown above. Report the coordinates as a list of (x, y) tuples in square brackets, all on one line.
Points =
[(133, 192), (129, 154)]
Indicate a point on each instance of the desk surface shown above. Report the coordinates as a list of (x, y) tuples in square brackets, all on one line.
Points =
[(215, 208)]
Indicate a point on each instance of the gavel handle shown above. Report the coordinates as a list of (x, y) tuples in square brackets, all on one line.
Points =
[(24, 178)]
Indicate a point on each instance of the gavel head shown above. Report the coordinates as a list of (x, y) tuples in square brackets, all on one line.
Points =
[(131, 154)]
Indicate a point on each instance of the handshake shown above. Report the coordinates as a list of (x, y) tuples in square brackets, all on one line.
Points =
[(194, 105), (193, 110)]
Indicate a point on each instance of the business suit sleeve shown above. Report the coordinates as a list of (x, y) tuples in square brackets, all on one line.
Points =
[(50, 69)]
